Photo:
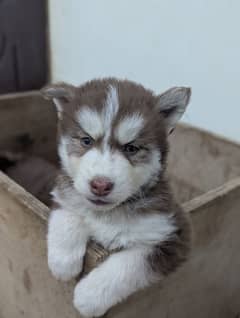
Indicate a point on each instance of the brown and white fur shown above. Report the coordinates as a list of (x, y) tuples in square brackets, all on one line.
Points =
[(113, 189)]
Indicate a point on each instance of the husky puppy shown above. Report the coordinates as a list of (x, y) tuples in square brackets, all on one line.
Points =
[(113, 189)]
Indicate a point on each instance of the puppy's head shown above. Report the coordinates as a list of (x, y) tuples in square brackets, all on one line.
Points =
[(113, 136)]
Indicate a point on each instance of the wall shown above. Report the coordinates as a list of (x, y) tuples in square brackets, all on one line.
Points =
[(158, 43)]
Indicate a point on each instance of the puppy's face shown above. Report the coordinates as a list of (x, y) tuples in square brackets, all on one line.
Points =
[(113, 137)]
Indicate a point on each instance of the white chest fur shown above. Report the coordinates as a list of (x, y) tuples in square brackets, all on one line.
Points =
[(117, 231)]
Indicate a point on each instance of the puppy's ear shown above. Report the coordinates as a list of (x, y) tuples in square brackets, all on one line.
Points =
[(61, 94), (172, 105)]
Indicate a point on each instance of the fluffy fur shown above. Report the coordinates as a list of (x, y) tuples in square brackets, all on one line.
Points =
[(115, 130)]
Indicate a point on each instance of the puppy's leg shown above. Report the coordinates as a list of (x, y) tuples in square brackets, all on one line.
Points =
[(67, 239), (119, 276)]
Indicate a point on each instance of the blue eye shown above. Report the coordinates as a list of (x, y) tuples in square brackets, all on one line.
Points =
[(130, 149), (86, 141)]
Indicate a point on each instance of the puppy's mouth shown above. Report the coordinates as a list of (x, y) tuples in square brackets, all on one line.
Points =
[(99, 201)]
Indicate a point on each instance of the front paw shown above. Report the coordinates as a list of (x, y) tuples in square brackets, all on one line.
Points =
[(88, 301), (64, 267)]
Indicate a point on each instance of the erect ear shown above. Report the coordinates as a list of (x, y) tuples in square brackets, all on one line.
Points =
[(60, 94), (172, 105)]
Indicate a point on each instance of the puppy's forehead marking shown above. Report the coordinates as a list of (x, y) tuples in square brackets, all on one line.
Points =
[(110, 111), (128, 128), (91, 122), (111, 106)]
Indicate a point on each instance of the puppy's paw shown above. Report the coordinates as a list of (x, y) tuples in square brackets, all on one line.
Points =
[(65, 267), (88, 301)]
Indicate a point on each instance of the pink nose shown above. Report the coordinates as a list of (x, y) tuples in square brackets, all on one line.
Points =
[(101, 186)]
